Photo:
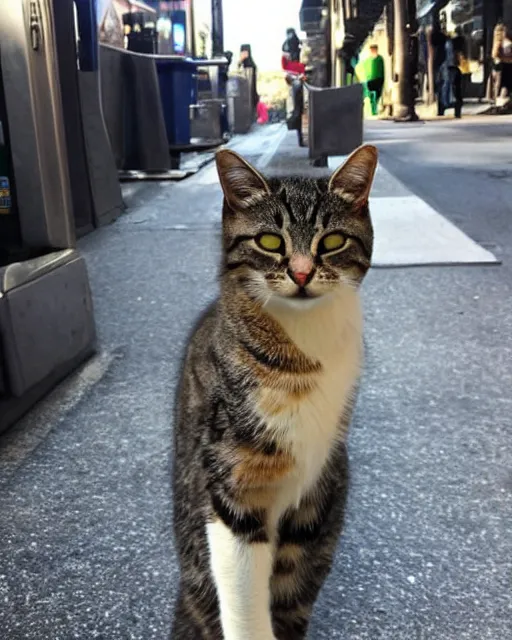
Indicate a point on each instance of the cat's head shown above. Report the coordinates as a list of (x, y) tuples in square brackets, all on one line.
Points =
[(296, 239)]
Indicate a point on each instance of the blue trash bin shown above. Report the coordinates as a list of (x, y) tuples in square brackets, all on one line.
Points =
[(177, 79)]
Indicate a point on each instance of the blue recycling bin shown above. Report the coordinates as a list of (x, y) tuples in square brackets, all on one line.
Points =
[(178, 90)]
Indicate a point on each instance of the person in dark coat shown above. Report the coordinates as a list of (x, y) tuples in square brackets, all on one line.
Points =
[(295, 73), (448, 78), (246, 62), (450, 86), (292, 45)]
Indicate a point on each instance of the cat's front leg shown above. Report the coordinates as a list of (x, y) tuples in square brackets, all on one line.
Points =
[(242, 481), (241, 560)]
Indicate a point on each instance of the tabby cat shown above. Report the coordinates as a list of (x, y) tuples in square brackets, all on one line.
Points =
[(260, 473)]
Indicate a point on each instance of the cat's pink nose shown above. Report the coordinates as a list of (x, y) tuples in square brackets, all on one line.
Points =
[(301, 269), (300, 277)]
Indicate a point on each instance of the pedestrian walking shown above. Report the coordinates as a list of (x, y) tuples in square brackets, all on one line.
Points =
[(437, 53), (422, 63), (460, 46), (262, 112), (246, 62), (502, 61), (295, 74), (450, 82), (448, 78), (295, 105), (292, 45), (373, 68)]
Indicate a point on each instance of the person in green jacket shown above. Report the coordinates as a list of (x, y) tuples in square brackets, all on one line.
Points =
[(374, 71)]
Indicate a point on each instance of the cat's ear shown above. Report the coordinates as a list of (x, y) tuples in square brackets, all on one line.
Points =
[(353, 180), (243, 186)]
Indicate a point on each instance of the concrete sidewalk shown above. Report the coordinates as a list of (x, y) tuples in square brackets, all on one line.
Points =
[(426, 112), (85, 479)]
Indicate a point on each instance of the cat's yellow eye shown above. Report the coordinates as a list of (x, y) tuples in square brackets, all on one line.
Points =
[(270, 242), (332, 242)]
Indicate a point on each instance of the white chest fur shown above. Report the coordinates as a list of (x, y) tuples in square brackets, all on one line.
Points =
[(329, 332)]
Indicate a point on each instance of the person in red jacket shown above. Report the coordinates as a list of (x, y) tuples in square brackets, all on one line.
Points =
[(262, 112), (292, 66), (290, 59)]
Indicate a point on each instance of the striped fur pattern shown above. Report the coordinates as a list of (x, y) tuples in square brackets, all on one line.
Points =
[(266, 394)]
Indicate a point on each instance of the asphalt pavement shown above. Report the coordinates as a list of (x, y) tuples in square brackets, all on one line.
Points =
[(86, 547)]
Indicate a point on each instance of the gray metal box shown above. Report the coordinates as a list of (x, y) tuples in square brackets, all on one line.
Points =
[(335, 120), (46, 325)]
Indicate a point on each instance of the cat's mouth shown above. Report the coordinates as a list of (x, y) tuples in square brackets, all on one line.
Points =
[(304, 294)]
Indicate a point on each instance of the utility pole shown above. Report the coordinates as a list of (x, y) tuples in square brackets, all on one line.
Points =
[(403, 103), (217, 29)]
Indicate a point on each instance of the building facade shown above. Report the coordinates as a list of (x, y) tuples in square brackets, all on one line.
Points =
[(353, 24), (350, 23), (315, 22)]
